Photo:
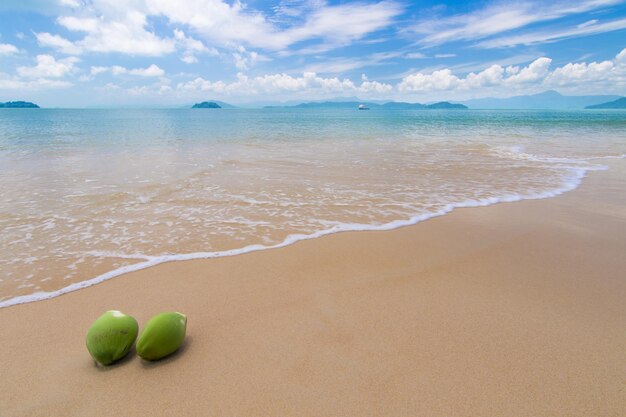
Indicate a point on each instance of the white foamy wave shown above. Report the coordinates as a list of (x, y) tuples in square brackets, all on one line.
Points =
[(519, 152), (575, 171)]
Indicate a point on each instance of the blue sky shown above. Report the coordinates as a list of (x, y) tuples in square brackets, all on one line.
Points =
[(74, 53)]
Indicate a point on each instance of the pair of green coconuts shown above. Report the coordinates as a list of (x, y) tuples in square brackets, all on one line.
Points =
[(112, 335)]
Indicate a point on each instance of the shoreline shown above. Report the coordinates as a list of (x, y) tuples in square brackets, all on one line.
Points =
[(502, 310), (571, 184)]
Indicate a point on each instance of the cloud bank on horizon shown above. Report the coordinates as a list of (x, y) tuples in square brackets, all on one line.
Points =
[(106, 52)]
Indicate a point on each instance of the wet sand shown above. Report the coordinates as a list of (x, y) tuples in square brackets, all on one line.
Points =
[(515, 309)]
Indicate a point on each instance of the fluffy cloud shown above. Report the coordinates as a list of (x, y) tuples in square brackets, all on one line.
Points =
[(489, 77), (374, 87), (536, 71), (611, 74), (443, 83), (581, 72), (245, 59), (608, 76), (151, 71), (308, 83), (122, 26), (191, 47), (13, 83), (435, 81), (57, 42), (7, 49), (48, 67), (125, 33), (594, 74), (495, 75)]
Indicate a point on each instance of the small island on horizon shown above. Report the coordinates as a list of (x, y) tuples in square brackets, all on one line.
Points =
[(206, 105), (18, 105)]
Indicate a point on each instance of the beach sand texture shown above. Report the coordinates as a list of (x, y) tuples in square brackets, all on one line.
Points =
[(516, 309)]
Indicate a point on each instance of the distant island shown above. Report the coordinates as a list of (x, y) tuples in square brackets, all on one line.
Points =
[(447, 106), (548, 100), (620, 103), (392, 105), (18, 105), (206, 105)]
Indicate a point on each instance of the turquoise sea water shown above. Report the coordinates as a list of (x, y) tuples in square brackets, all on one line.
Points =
[(91, 194)]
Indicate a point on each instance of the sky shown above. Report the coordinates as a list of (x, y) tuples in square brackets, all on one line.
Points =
[(92, 53)]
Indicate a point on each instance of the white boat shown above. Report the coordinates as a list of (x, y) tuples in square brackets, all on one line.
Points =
[(363, 107)]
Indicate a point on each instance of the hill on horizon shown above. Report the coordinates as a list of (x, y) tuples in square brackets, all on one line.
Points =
[(620, 103), (543, 101), (391, 105), (220, 104)]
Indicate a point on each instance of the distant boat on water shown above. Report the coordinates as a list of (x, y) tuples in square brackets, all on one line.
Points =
[(363, 107)]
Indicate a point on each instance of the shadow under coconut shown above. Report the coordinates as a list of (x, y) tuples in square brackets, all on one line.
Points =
[(168, 359), (132, 353)]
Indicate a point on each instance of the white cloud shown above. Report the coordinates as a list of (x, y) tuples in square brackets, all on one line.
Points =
[(537, 70), (435, 81), (581, 72), (587, 23), (308, 84), (191, 47), (607, 75), (415, 55), (12, 83), (245, 59), (532, 38), (495, 75), (122, 26), (593, 74), (498, 17), (57, 42), (474, 66), (48, 67), (374, 87), (489, 77), (125, 33), (70, 3), (189, 59), (118, 70), (340, 25), (498, 80), (8, 49), (151, 71), (98, 70)]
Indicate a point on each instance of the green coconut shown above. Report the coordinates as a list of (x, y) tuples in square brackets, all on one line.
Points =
[(162, 336), (111, 336)]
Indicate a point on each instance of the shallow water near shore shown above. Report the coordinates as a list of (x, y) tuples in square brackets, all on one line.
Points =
[(91, 194)]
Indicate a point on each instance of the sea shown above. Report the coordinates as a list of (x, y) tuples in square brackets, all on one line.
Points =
[(88, 195)]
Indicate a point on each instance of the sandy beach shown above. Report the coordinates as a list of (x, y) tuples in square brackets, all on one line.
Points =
[(515, 309)]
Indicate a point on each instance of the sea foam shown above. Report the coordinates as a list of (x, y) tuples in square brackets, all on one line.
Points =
[(572, 179)]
